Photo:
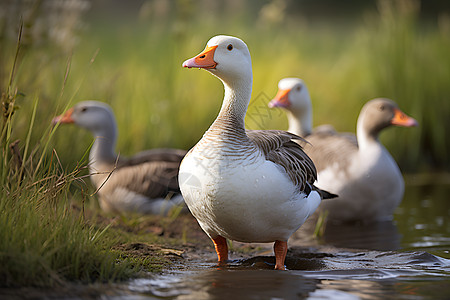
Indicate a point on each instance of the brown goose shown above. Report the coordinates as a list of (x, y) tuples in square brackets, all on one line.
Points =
[(248, 186), (357, 168), (146, 183)]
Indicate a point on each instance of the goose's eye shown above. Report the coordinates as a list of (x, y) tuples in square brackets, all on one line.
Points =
[(84, 109), (299, 88), (230, 47), (381, 108)]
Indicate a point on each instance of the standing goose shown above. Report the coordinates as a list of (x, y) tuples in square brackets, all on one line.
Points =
[(357, 168), (146, 183), (248, 186)]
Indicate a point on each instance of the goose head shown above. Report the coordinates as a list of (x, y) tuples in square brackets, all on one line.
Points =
[(292, 95), (226, 57), (381, 113), (95, 116)]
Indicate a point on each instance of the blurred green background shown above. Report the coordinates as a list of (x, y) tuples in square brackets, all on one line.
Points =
[(129, 54)]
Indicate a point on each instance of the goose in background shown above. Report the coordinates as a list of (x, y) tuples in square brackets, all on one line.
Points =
[(245, 185), (146, 183), (357, 168), (293, 96)]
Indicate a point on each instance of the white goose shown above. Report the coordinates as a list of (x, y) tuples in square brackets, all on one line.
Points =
[(248, 186), (146, 183), (357, 168)]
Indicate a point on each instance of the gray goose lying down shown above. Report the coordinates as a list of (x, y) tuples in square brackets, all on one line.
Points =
[(357, 168), (145, 183)]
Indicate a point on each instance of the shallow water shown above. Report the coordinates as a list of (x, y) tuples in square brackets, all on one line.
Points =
[(342, 275), (405, 259)]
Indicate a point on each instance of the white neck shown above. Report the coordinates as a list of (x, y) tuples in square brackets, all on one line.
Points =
[(300, 122), (236, 100), (365, 140), (104, 144)]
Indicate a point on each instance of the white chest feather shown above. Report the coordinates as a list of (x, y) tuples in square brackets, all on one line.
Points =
[(246, 199)]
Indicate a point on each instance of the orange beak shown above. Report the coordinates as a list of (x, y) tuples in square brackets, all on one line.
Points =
[(401, 119), (204, 60), (281, 99), (65, 118)]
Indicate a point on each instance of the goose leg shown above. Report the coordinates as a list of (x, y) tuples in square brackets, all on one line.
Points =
[(220, 243), (280, 249)]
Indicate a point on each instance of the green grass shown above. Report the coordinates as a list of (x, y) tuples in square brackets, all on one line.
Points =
[(46, 240), (135, 66), (44, 245)]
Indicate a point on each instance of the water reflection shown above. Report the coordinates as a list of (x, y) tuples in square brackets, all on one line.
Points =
[(250, 284), (243, 284), (423, 218), (339, 275), (374, 236)]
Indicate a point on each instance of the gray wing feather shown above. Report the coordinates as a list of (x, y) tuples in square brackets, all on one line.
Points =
[(328, 147), (152, 173), (161, 154), (153, 179), (278, 146)]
